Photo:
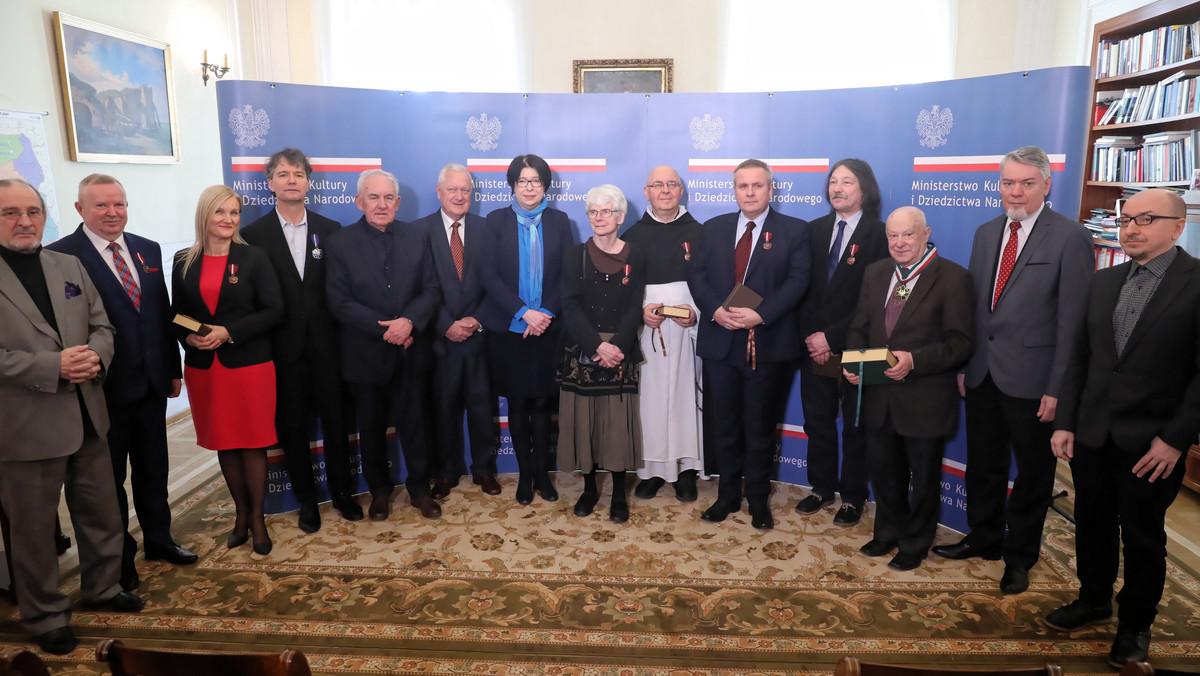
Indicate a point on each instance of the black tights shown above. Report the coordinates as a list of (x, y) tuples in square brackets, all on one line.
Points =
[(529, 425), (246, 475)]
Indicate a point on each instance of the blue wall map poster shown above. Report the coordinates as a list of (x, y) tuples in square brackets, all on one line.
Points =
[(935, 145), (24, 154)]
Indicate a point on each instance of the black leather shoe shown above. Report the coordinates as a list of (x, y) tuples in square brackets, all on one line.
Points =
[(121, 602), (618, 512), (381, 507), (1130, 645), (585, 504), (905, 561), (1078, 614), (348, 507), (426, 504), (488, 484), (129, 579), (1015, 580), (648, 488), (966, 550), (57, 641), (441, 488), (61, 544), (547, 491), (848, 515), (877, 548), (685, 486), (813, 503), (236, 539), (310, 517), (173, 554), (524, 493), (760, 517), (263, 548), (718, 512)]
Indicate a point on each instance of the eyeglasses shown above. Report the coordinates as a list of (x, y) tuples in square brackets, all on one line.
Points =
[(524, 182), (15, 214), (597, 213), (670, 185), (1142, 219)]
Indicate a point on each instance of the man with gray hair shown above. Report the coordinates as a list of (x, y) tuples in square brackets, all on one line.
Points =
[(1030, 268), (460, 382), (382, 290)]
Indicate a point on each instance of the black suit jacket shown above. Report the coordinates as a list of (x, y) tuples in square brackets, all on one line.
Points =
[(779, 274), (248, 308), (829, 305), (307, 322), (460, 297), (1153, 388), (501, 277), (937, 327), (360, 297), (145, 358)]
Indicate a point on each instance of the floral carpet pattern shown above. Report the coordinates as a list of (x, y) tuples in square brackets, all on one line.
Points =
[(494, 587)]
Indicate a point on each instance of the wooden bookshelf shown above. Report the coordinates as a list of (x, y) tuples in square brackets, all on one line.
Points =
[(1103, 194)]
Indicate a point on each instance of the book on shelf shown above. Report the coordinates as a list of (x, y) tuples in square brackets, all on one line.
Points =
[(1154, 48)]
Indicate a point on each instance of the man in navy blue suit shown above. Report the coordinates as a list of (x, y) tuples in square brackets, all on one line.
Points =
[(747, 351), (460, 378), (127, 271)]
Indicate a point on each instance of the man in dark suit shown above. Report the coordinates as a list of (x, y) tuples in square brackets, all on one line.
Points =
[(57, 345), (920, 306), (382, 289), (1030, 268), (145, 370), (305, 344), (1129, 410), (461, 368), (746, 350), (844, 243)]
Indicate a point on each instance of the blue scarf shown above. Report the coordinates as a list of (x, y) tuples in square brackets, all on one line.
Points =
[(531, 261)]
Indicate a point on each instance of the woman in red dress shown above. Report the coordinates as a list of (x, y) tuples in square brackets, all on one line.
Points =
[(232, 290)]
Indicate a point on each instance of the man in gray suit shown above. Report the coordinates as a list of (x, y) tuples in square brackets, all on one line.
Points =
[(1031, 268), (57, 343)]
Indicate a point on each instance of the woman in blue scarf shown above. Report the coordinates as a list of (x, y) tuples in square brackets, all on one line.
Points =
[(521, 271)]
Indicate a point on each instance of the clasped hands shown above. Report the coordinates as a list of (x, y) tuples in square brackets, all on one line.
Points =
[(462, 329), (903, 367), (79, 364), (217, 336), (399, 331), (736, 318), (653, 320), (536, 323), (608, 355)]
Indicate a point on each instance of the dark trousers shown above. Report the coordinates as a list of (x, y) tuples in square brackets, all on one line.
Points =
[(137, 435), (307, 389), (821, 399), (745, 407), (895, 460), (1000, 427), (1114, 507), (397, 401), (460, 384)]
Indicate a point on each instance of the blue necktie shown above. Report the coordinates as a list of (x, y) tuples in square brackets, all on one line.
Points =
[(835, 251)]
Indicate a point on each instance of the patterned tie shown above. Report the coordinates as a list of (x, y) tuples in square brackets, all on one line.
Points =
[(1007, 260), (456, 249), (891, 310), (741, 254), (835, 251), (126, 275)]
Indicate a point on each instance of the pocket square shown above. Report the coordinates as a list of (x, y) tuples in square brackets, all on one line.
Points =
[(71, 291)]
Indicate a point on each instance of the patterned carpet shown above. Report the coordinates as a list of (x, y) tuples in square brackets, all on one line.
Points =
[(498, 588)]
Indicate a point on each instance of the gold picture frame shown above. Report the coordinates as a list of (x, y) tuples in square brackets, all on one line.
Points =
[(118, 93), (609, 76)]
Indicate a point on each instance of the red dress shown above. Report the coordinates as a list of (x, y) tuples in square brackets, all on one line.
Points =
[(231, 408)]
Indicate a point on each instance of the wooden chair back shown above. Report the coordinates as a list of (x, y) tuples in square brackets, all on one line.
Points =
[(850, 666), (21, 662), (124, 660)]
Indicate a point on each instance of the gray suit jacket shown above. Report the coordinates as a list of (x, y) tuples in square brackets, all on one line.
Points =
[(1026, 340), (40, 412)]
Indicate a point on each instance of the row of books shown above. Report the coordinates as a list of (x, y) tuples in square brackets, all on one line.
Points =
[(1168, 156), (1175, 95), (1154, 48)]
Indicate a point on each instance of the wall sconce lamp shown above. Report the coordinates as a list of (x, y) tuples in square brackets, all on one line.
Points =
[(218, 71)]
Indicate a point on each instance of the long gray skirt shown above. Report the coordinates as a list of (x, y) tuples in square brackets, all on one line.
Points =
[(602, 432)]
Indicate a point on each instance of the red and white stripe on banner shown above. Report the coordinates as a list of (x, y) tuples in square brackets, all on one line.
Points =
[(499, 164), (792, 431), (778, 165), (1058, 162), (259, 164)]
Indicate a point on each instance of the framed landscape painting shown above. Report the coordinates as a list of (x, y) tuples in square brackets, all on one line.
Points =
[(616, 76), (118, 93)]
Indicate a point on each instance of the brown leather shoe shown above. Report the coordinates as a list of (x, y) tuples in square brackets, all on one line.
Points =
[(381, 506), (429, 508), (441, 488), (488, 484)]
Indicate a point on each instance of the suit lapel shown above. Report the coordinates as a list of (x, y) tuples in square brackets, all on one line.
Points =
[(1037, 235), (856, 239), (12, 288), (56, 282), (1173, 282), (441, 249), (760, 250), (924, 287), (281, 251)]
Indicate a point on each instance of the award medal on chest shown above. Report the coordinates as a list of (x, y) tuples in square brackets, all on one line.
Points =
[(233, 278)]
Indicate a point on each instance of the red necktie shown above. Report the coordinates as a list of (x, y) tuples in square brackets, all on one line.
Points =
[(456, 249), (1007, 260), (741, 254), (126, 275)]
